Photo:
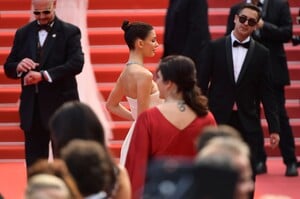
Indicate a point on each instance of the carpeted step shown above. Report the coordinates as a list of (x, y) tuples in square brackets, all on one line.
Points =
[(121, 128), (127, 4), (295, 124), (6, 80), (9, 113), (15, 5), (119, 54), (292, 92), (156, 17), (10, 94), (14, 19), (154, 4), (110, 72), (114, 36), (293, 109), (11, 133), (115, 148), (12, 150)]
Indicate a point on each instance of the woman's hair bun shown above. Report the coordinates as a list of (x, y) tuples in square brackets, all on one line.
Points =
[(125, 25)]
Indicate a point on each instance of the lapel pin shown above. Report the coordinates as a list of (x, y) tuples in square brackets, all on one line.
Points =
[(54, 35)]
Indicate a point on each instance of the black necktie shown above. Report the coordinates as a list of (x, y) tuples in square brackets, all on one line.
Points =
[(46, 27), (245, 45)]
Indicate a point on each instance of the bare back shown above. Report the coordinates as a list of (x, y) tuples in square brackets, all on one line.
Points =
[(133, 78)]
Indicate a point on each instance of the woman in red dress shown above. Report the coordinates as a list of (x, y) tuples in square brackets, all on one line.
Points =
[(171, 128)]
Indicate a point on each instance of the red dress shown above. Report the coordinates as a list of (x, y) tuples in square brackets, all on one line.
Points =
[(155, 136)]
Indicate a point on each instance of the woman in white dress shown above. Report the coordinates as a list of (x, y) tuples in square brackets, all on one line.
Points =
[(135, 82)]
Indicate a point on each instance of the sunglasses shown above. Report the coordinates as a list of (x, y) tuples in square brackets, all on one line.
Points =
[(45, 12), (251, 21)]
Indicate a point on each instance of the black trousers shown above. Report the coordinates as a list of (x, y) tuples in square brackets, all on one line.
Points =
[(37, 139), (250, 139), (287, 143)]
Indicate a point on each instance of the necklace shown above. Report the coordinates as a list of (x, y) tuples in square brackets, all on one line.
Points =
[(181, 105), (133, 62)]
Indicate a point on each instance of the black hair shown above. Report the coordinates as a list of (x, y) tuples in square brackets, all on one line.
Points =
[(252, 7), (74, 120), (134, 31), (181, 70), (90, 165)]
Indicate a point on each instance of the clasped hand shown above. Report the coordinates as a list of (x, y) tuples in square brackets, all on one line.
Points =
[(28, 65)]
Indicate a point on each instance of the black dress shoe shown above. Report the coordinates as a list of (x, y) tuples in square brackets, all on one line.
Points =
[(295, 40), (291, 170), (261, 168)]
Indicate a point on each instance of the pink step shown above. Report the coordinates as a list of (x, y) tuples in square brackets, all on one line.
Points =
[(119, 54), (294, 124), (15, 5), (9, 113), (114, 36), (6, 80), (156, 17), (11, 133), (111, 72), (14, 151), (126, 4), (292, 92), (10, 94), (15, 20)]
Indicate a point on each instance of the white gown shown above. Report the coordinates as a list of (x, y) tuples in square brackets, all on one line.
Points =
[(154, 100)]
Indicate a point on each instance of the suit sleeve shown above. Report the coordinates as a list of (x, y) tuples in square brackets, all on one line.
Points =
[(74, 57), (138, 154), (204, 71), (10, 66), (267, 96), (198, 28), (281, 31)]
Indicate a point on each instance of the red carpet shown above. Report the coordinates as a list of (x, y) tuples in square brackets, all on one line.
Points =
[(13, 180), (275, 182)]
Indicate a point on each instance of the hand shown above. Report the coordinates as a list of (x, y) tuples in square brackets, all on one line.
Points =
[(26, 65), (274, 140), (32, 77), (260, 23)]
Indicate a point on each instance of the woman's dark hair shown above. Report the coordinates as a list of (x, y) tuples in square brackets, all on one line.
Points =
[(252, 7), (181, 70), (74, 120), (134, 31), (90, 165)]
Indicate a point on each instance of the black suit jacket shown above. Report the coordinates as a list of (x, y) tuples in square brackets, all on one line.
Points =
[(62, 59), (277, 29), (186, 28), (216, 80)]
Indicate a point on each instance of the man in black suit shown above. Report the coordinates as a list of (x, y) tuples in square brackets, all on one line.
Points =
[(235, 71), (186, 28), (46, 55), (273, 30)]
